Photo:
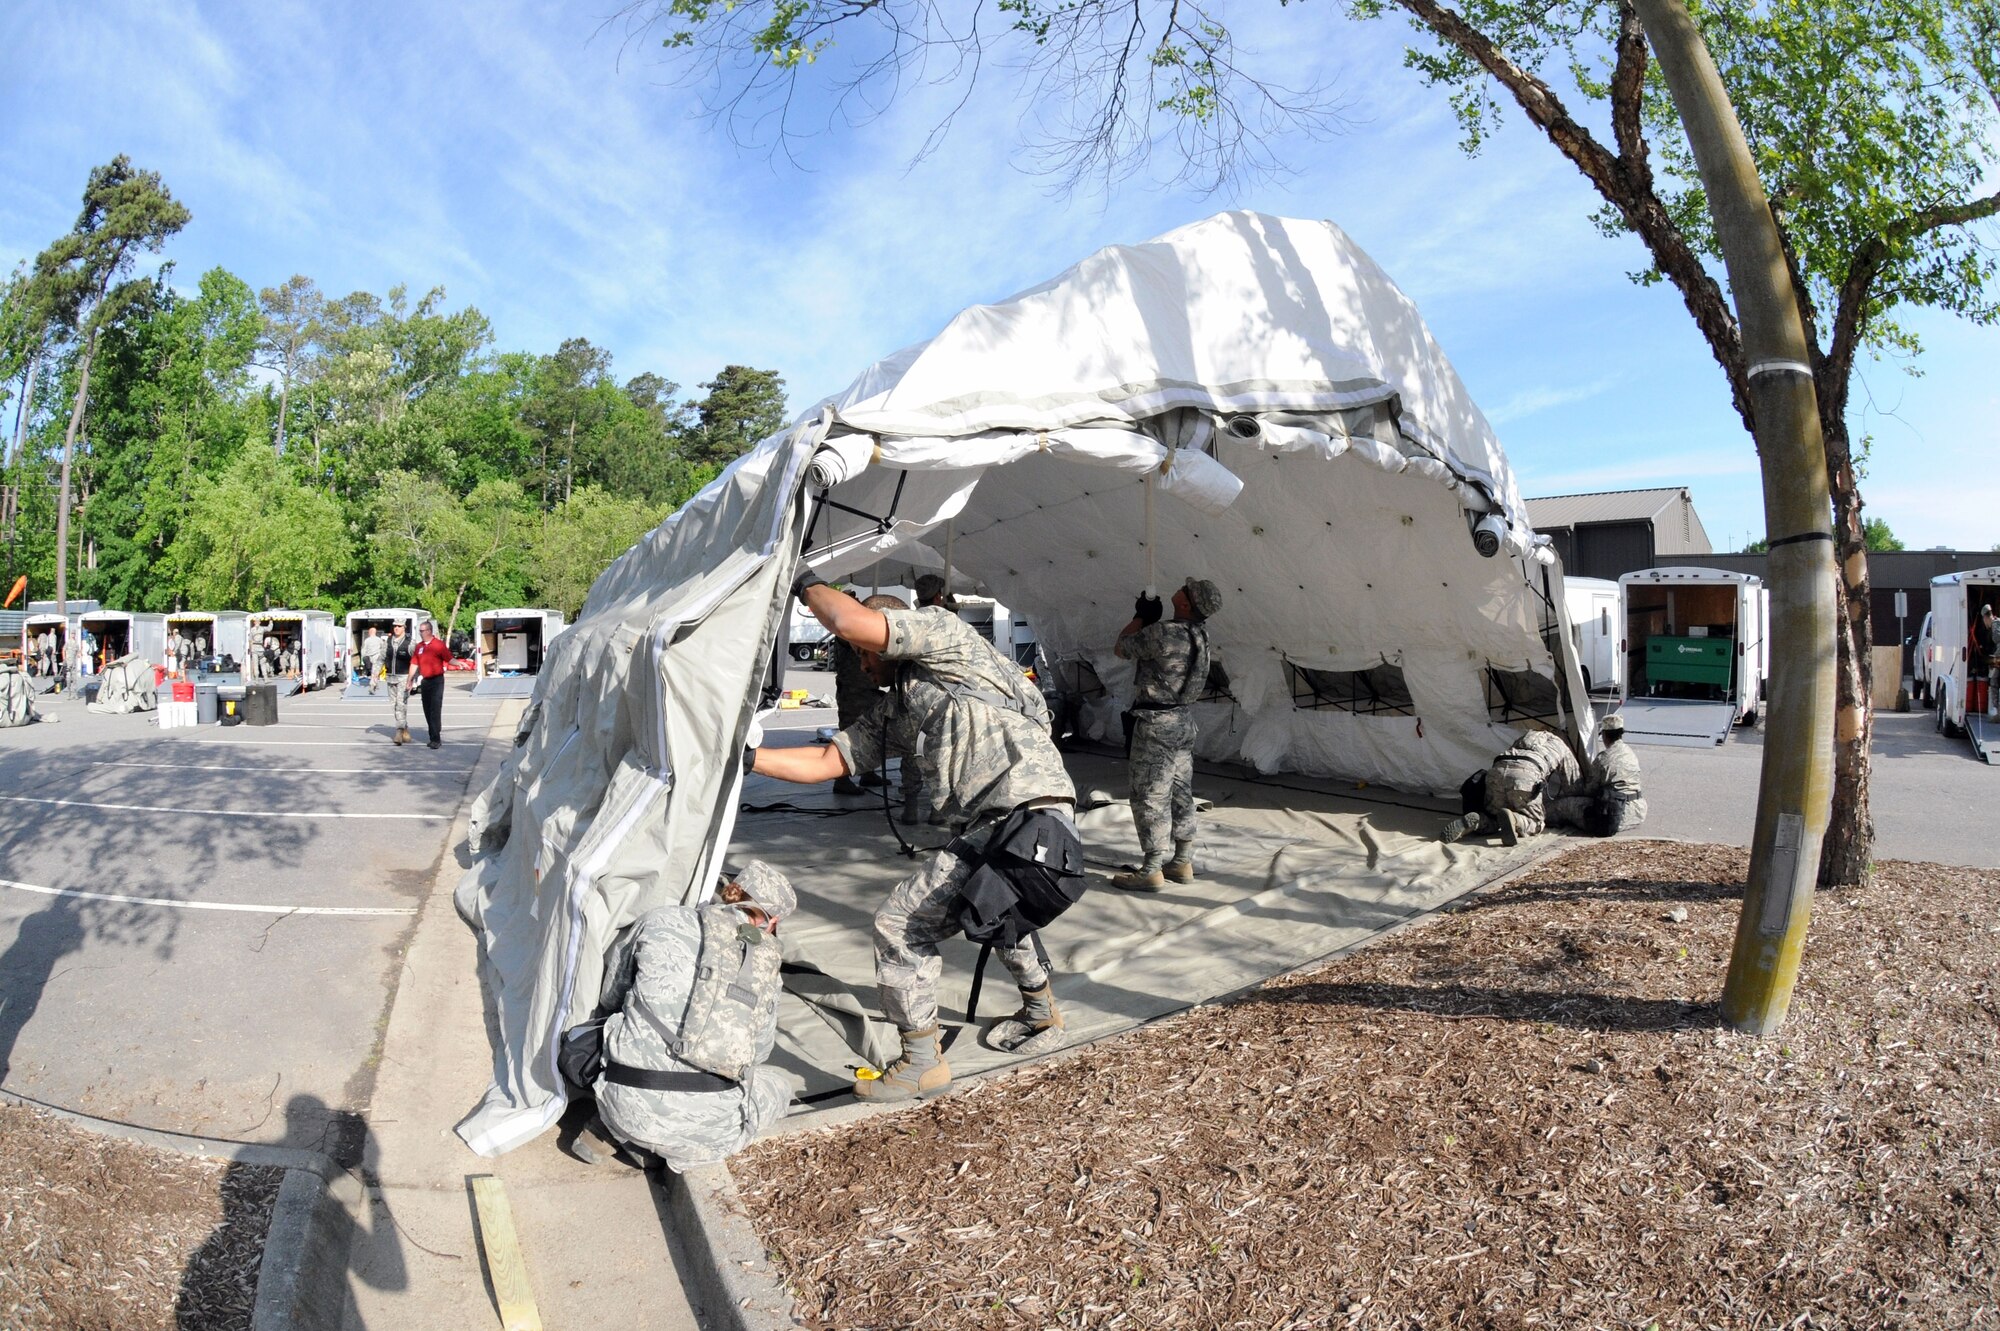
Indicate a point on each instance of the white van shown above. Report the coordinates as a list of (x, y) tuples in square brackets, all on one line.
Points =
[(1955, 602), (1696, 643), (1597, 633), (508, 648), (312, 633)]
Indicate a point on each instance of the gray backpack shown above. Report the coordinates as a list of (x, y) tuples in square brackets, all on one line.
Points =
[(736, 987), (732, 998)]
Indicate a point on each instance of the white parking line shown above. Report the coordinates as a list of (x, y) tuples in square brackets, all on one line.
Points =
[(226, 767), (207, 905), (223, 813)]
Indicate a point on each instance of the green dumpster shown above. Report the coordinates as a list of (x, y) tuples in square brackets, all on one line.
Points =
[(1678, 660)]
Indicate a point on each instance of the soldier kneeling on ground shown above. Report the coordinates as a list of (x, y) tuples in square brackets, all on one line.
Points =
[(1610, 799), (677, 1067), (1512, 796)]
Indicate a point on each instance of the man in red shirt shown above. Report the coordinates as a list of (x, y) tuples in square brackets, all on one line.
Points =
[(427, 665)]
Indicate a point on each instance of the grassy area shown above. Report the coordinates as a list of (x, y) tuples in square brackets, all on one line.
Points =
[(1519, 1115)]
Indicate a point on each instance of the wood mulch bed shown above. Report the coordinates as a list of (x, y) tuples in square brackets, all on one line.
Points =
[(104, 1234), (1521, 1114)]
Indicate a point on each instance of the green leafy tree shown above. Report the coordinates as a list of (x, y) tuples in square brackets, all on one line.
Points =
[(580, 538), (1880, 539), (292, 316), (77, 280), (171, 399), (569, 398), (443, 547), (256, 537), (742, 406)]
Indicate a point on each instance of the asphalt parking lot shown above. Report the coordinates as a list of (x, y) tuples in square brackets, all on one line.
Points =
[(200, 929), (1931, 799)]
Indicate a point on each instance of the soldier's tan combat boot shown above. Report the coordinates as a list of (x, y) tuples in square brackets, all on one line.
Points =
[(919, 1074), (1036, 1029), (402, 734), (1180, 869), (1460, 828), (1146, 878)]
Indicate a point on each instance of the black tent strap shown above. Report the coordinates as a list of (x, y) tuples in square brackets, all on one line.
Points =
[(663, 1079), (1826, 536)]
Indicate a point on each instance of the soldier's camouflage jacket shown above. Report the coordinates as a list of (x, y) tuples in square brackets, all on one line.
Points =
[(979, 756)]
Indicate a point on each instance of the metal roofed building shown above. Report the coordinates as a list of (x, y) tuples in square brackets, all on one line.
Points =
[(1614, 533)]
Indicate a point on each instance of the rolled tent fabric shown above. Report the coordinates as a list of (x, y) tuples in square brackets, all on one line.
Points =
[(1023, 436)]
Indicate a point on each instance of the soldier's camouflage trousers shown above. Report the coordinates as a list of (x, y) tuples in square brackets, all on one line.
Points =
[(908, 928), (1572, 810), (1163, 779), (399, 700), (1524, 802), (688, 1128)]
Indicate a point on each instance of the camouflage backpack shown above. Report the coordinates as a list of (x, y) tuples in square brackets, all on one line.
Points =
[(736, 986)]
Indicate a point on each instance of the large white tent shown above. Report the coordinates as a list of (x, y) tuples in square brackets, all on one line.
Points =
[(1247, 399)]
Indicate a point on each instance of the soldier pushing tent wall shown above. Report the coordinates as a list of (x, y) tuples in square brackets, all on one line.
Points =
[(992, 773)]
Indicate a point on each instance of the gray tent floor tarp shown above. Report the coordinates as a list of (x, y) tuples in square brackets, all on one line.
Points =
[(1290, 870)]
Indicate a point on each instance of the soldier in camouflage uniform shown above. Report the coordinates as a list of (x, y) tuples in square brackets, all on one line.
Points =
[(855, 695), (1610, 797), (1171, 662), (707, 1117), (1537, 770), (983, 738)]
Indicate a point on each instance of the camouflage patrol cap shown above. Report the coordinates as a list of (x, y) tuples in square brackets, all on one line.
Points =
[(931, 587), (767, 888), (1612, 726), (1204, 596)]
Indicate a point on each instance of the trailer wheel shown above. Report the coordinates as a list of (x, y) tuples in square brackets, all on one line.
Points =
[(802, 651), (1749, 720), (1922, 690)]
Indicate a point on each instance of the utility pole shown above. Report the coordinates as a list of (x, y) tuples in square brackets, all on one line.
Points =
[(1795, 790)]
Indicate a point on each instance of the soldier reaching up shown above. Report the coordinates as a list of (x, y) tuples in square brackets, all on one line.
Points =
[(991, 772)]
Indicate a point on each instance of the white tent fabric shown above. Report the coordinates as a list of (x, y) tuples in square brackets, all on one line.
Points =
[(1257, 384)]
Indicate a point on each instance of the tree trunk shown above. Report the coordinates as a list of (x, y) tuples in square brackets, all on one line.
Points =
[(284, 402), (1792, 791), (1850, 835), (27, 407), (62, 500)]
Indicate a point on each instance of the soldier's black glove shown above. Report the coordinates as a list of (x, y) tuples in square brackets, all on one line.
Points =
[(749, 759), (1148, 609), (807, 578)]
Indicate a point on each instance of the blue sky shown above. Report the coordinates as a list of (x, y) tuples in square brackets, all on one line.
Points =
[(526, 159)]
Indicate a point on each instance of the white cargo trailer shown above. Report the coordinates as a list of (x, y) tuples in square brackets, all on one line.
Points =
[(313, 634), (32, 628), (509, 647), (1696, 648), (226, 634), (117, 633), (1597, 633), (1955, 602), (383, 620)]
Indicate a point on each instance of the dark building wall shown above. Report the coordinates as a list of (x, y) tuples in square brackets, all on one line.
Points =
[(1613, 549)]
